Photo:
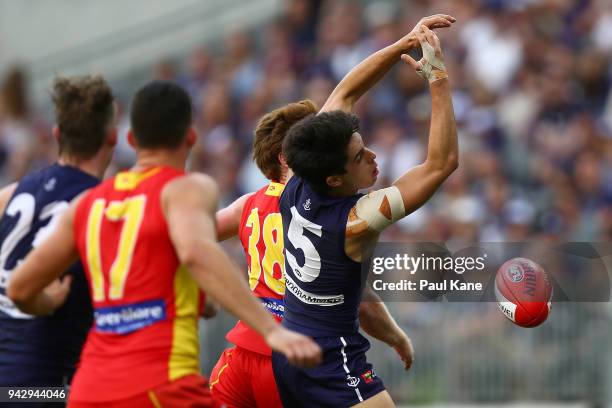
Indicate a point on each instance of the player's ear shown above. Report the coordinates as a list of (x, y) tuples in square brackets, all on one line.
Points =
[(131, 139), (56, 133), (111, 137), (282, 160), (192, 137), (333, 181)]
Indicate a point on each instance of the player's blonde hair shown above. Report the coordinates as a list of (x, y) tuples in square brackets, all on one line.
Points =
[(270, 133)]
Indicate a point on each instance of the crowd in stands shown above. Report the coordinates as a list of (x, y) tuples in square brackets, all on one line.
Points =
[(532, 99)]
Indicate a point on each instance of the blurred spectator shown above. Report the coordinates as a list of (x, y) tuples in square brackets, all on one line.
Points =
[(18, 138), (199, 65), (245, 71), (165, 70)]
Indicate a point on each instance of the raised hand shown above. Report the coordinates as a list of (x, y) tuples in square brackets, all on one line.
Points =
[(431, 66), (410, 40)]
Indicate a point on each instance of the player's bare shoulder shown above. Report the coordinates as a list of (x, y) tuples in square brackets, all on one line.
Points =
[(198, 181), (192, 187)]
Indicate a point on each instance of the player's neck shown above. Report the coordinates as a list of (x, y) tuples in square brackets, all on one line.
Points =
[(94, 166), (342, 191), (153, 158), (285, 176)]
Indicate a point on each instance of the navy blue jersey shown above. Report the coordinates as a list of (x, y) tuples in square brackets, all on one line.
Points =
[(41, 350), (323, 285)]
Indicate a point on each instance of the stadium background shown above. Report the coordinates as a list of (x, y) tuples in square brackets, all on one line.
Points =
[(532, 98)]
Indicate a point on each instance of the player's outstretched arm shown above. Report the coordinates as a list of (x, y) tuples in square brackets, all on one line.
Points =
[(379, 209), (228, 218), (419, 183), (375, 319), (189, 205), (365, 75), (34, 285)]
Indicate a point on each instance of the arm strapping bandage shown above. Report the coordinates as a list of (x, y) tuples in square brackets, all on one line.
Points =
[(432, 68), (380, 208)]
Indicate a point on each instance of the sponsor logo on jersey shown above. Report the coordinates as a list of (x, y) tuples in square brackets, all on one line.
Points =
[(274, 306), (311, 298), (129, 318), (307, 205)]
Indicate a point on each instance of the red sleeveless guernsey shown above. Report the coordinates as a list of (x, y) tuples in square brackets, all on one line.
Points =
[(261, 234), (146, 305)]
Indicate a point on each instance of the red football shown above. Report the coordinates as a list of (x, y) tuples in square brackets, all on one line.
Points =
[(523, 292)]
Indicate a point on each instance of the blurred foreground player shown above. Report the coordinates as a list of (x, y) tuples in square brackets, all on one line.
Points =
[(147, 238), (43, 351), (326, 223)]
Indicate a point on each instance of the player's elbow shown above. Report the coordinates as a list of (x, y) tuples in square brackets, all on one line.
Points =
[(443, 168), (18, 294), (452, 163), (191, 252), (366, 313), (190, 257), (196, 256), (447, 164)]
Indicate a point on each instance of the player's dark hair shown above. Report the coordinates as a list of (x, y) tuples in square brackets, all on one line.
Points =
[(270, 133), (160, 115), (316, 147), (83, 112)]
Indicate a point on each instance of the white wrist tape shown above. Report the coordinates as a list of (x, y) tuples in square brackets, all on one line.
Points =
[(381, 208), (432, 67)]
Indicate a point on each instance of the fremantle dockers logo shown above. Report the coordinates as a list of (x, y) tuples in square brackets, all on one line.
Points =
[(352, 381), (515, 273)]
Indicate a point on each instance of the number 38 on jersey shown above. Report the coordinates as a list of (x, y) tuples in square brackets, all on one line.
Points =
[(265, 249)]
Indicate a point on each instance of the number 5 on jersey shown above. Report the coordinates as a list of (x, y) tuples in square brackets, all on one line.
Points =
[(131, 212), (312, 260)]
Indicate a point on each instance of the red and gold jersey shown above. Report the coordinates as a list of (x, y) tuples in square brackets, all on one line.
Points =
[(146, 305), (261, 234)]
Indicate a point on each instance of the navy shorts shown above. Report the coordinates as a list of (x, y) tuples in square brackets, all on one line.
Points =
[(343, 379)]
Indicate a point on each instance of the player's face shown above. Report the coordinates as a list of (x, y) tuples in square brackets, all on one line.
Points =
[(361, 168)]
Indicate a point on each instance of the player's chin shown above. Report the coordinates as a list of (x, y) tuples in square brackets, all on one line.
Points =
[(369, 182)]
